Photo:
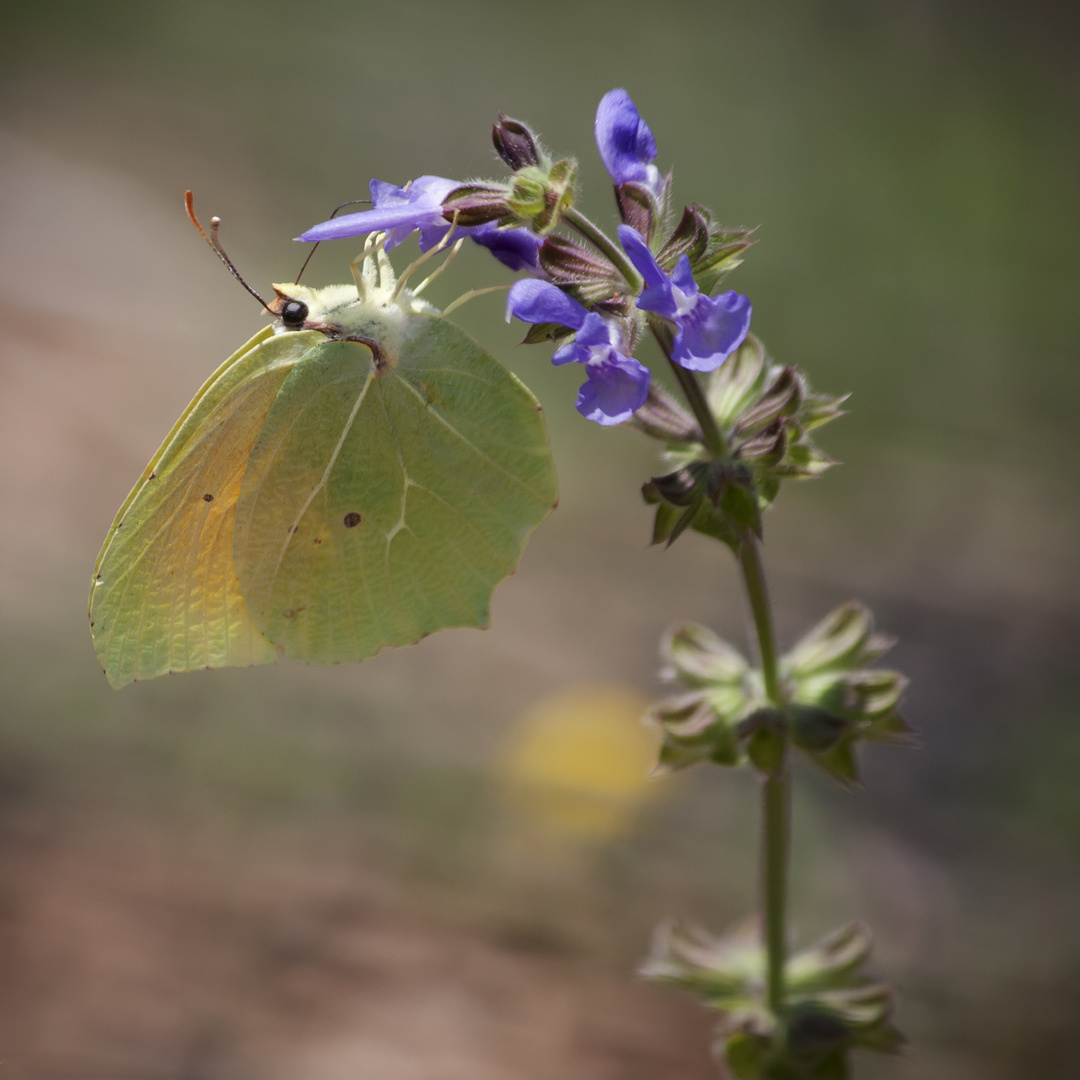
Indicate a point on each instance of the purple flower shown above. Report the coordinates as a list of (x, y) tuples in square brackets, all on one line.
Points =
[(708, 328), (616, 385), (627, 147), (399, 211)]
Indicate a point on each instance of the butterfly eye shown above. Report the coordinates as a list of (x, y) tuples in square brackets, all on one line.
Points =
[(293, 314)]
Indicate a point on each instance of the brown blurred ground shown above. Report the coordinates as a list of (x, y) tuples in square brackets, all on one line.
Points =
[(130, 953)]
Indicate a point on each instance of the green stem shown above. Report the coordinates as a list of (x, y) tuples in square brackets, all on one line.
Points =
[(776, 787), (776, 839), (691, 388), (753, 573), (593, 233)]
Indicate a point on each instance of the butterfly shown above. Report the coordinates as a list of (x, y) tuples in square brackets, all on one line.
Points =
[(360, 474)]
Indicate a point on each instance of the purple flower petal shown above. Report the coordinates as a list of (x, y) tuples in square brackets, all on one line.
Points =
[(519, 249), (683, 277), (535, 301), (615, 389), (712, 331), (570, 353), (657, 295), (627, 147), (595, 332)]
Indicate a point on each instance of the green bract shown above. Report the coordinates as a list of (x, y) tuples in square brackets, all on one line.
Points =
[(765, 412), (831, 1005), (831, 698)]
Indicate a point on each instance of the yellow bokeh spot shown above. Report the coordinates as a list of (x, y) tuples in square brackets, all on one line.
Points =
[(580, 761)]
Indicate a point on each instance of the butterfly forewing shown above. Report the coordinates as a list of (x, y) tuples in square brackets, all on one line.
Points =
[(381, 505), (165, 595)]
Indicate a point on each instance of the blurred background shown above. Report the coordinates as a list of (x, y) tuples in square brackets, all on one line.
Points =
[(446, 862)]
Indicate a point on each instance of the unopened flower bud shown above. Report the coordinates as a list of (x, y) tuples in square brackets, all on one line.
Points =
[(515, 143)]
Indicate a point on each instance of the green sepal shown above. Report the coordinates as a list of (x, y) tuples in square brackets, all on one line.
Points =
[(831, 700), (478, 204), (720, 253), (541, 332), (763, 411), (580, 272), (698, 657), (736, 497), (840, 763), (714, 720), (726, 971), (831, 1004), (662, 417), (716, 497), (745, 1054), (781, 399), (844, 639), (668, 523), (692, 732), (710, 522), (638, 208), (815, 730), (835, 699), (689, 238), (766, 740), (830, 962), (538, 195)]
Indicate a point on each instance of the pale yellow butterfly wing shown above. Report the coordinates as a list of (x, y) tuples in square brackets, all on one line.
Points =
[(165, 596)]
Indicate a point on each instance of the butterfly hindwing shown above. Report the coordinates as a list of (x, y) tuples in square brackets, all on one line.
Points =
[(381, 504)]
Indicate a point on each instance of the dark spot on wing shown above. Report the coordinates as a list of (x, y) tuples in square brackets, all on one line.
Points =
[(153, 476), (292, 528), (430, 393), (318, 539), (208, 497), (352, 519)]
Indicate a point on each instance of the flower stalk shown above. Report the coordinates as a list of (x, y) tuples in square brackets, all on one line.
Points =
[(775, 786), (595, 235), (691, 388)]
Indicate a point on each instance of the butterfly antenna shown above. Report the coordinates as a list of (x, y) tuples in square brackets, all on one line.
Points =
[(215, 243), (351, 202)]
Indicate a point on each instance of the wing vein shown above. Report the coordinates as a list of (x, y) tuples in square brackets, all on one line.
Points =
[(471, 445), (322, 480)]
